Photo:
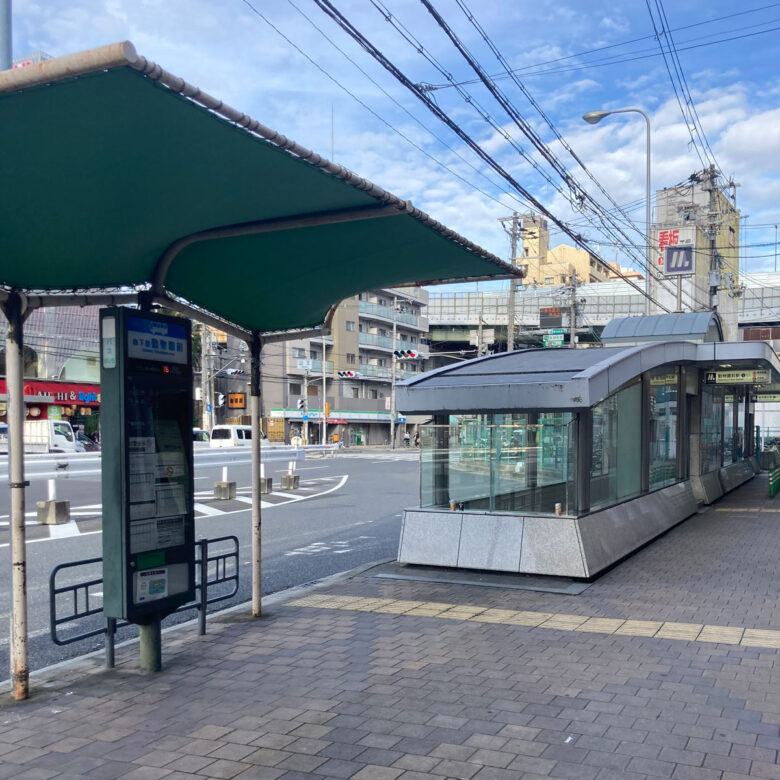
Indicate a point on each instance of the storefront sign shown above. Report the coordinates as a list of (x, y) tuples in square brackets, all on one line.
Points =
[(663, 379), (69, 393), (550, 317), (736, 377)]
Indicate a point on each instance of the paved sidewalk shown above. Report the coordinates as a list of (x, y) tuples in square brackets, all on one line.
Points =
[(380, 679)]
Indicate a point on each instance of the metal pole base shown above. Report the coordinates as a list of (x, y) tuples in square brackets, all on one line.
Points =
[(151, 645)]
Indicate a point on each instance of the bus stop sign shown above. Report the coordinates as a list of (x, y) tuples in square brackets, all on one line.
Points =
[(146, 429)]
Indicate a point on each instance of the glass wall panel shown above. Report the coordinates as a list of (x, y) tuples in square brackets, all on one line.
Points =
[(740, 453), (663, 427), (728, 428), (711, 442), (616, 462), (522, 463)]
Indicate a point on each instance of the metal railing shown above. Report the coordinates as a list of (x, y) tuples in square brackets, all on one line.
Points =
[(774, 482), (215, 568)]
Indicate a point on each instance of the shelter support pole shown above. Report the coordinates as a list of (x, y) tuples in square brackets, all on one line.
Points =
[(14, 311), (150, 644), (255, 348), (6, 48)]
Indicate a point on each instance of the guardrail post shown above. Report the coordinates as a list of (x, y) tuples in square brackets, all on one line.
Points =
[(110, 637), (204, 576)]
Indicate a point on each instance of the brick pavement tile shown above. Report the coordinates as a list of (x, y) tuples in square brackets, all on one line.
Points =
[(189, 763), (301, 763), (157, 758), (609, 760), (416, 762), (688, 757), (271, 740), (765, 755), (384, 741), (260, 773), (460, 770), (377, 773), (342, 750), (758, 769), (492, 757), (687, 772), (649, 766), (564, 769), (147, 773), (453, 752), (266, 756)]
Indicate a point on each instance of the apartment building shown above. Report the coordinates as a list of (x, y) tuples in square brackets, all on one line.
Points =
[(556, 266), (356, 365)]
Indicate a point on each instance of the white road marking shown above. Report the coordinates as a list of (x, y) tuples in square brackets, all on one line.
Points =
[(63, 530), (206, 510)]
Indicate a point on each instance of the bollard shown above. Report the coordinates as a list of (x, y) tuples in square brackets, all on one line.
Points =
[(224, 489), (52, 511), (290, 479), (266, 483)]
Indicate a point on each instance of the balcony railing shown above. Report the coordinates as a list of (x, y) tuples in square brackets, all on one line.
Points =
[(387, 313), (378, 372), (371, 339)]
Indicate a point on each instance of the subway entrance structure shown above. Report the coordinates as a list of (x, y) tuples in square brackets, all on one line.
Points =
[(564, 461), (123, 185)]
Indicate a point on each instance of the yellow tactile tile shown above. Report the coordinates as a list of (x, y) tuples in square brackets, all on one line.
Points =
[(726, 635), (461, 612), (398, 607), (759, 638), (525, 618), (686, 631), (495, 616), (564, 622), (601, 625), (648, 628), (639, 627)]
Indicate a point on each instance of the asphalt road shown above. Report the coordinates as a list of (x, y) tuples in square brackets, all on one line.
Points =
[(346, 512)]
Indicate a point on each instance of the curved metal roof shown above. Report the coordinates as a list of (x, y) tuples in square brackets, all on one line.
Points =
[(544, 379), (119, 176), (696, 326)]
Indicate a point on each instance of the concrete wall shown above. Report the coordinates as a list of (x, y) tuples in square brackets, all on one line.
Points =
[(562, 546)]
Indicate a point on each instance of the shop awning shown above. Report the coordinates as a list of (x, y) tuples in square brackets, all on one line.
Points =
[(118, 176)]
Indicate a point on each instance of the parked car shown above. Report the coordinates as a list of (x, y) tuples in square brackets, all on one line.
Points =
[(232, 435)]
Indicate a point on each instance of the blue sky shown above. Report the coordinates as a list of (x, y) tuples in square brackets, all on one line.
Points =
[(308, 80)]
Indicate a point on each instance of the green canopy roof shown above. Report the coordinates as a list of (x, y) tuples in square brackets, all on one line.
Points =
[(118, 175)]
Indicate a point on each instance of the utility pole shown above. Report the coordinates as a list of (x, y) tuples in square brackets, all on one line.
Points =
[(573, 310), (204, 377), (392, 374), (324, 433), (513, 232), (305, 407), (480, 344)]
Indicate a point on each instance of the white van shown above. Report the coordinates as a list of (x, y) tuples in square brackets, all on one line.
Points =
[(50, 436), (232, 435)]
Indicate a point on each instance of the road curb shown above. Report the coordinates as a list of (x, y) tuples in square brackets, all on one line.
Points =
[(274, 599)]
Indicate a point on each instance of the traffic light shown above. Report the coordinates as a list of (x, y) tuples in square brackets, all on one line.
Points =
[(301, 403), (348, 374), (405, 354), (327, 409)]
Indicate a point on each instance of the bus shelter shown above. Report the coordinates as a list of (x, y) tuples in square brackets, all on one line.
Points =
[(124, 184), (562, 462)]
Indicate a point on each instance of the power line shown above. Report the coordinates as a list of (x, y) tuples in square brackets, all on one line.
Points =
[(329, 9), (522, 70)]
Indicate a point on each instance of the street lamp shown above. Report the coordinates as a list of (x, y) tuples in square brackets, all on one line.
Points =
[(593, 118)]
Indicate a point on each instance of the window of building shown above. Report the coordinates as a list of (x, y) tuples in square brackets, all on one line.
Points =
[(295, 388), (563, 278), (548, 280), (297, 352), (382, 332), (663, 427), (381, 361), (351, 358), (313, 390), (373, 394), (350, 325), (355, 392), (313, 354)]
